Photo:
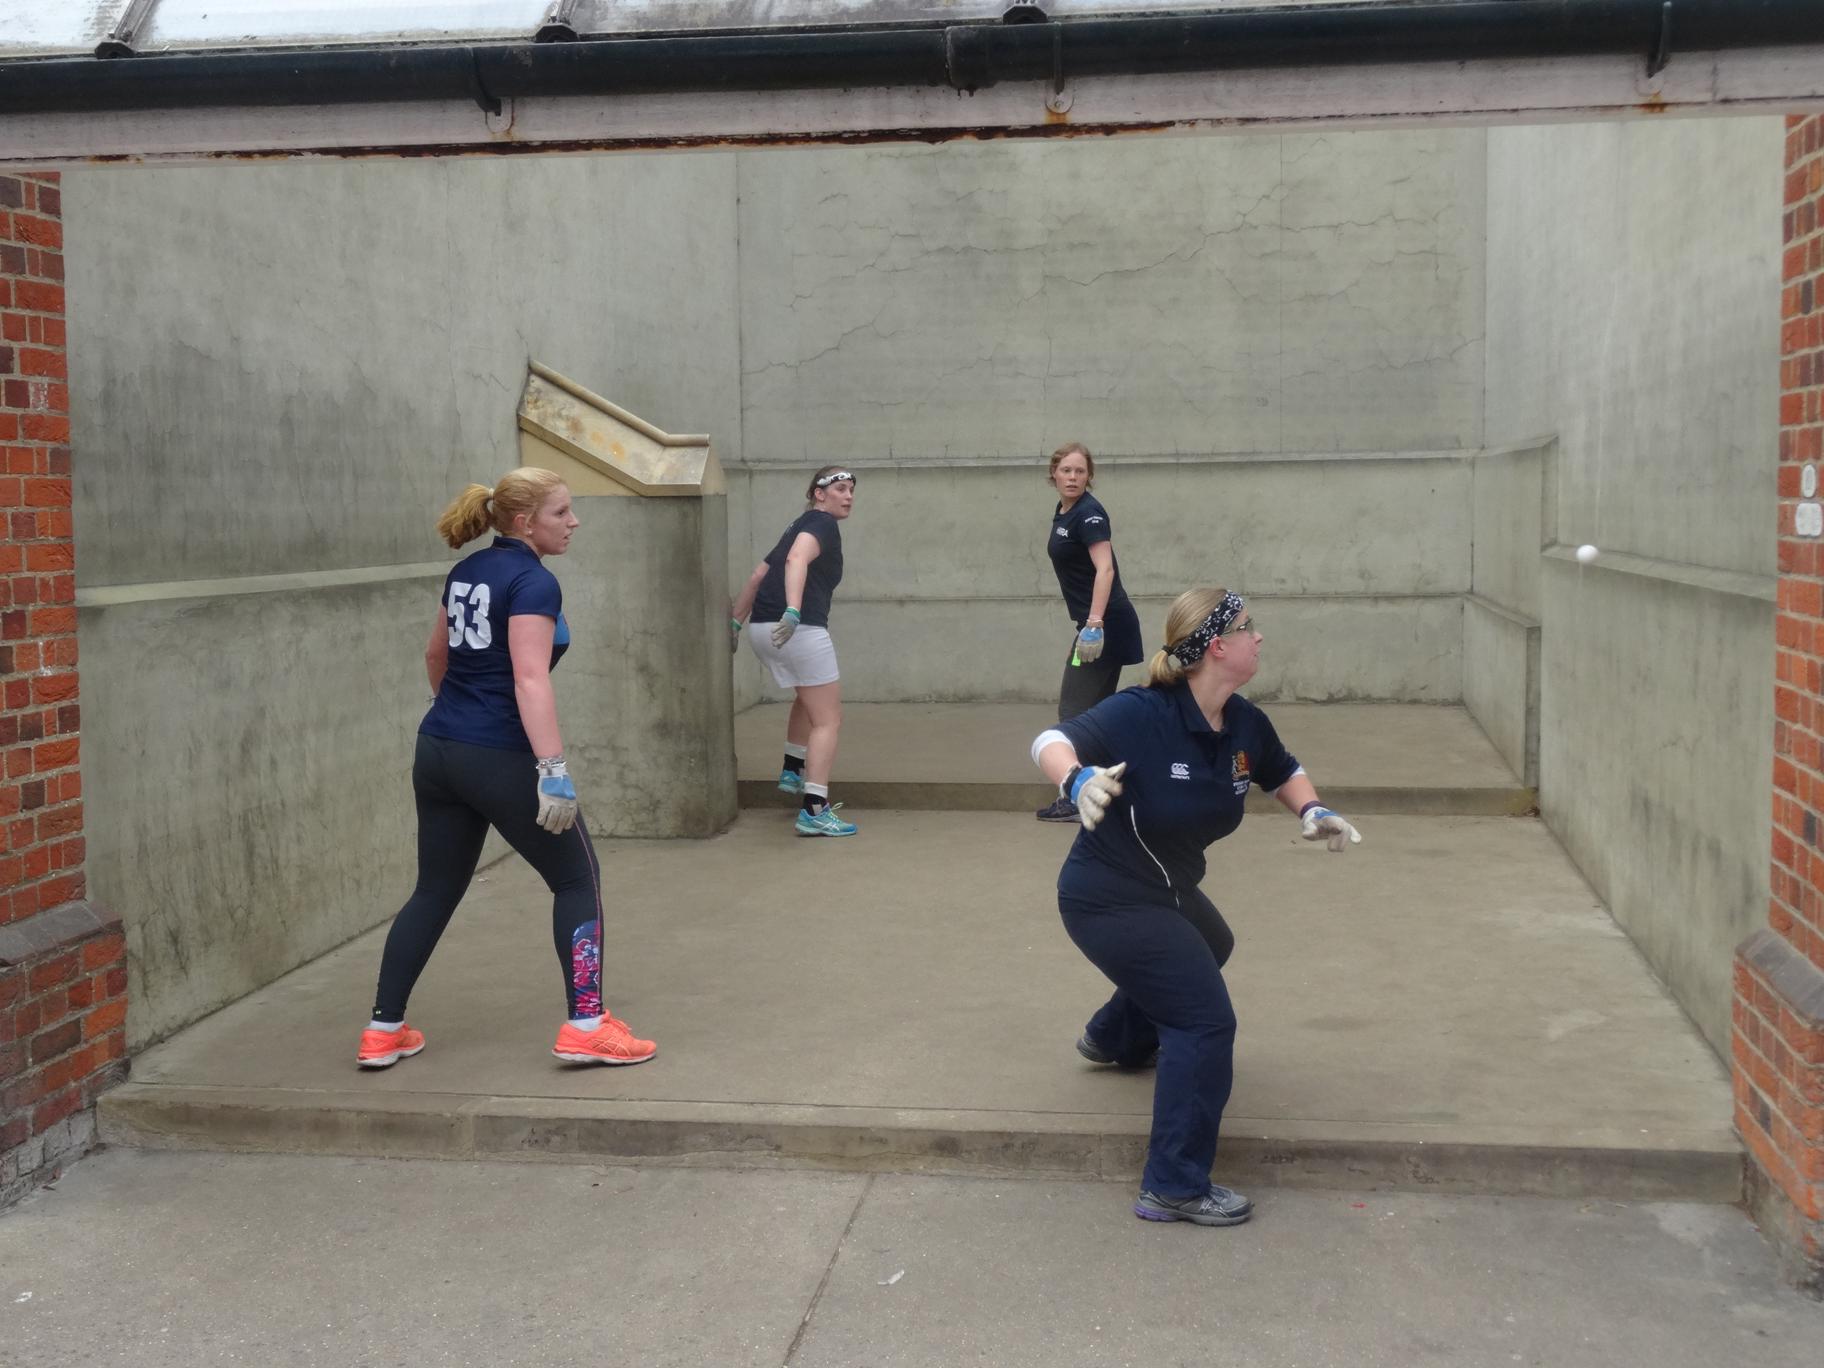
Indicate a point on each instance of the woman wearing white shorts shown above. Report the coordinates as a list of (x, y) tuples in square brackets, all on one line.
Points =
[(789, 596)]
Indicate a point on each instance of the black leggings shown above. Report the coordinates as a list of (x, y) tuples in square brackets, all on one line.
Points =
[(461, 791), (1086, 685)]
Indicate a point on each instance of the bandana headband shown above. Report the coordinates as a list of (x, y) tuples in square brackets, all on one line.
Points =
[(1187, 651), (825, 481)]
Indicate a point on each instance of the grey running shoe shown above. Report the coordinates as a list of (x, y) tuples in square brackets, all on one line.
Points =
[(1063, 810), (1220, 1206), (1095, 1054)]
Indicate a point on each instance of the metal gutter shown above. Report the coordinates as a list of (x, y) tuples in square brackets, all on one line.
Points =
[(964, 57)]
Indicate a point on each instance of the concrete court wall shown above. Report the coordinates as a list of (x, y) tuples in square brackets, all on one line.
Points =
[(285, 372), (1269, 342), (1633, 292)]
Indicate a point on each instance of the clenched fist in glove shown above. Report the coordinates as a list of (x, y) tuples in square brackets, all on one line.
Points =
[(1089, 645)]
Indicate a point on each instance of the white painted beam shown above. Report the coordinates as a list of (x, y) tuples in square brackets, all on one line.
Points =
[(1509, 91)]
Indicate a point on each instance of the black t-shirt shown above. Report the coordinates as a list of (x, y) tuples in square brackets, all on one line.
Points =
[(825, 573), (1072, 534)]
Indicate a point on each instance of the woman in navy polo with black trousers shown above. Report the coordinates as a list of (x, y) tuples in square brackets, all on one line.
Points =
[(1082, 555), (1159, 773), (489, 754)]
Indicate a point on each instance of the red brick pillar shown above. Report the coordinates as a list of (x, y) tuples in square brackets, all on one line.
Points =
[(63, 977), (1778, 1044)]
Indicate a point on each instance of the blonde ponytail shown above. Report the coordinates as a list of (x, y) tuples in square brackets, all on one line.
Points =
[(1185, 616), (1163, 670), (467, 516), (478, 508)]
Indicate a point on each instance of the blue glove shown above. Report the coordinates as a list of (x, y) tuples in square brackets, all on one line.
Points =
[(556, 795), (1089, 646)]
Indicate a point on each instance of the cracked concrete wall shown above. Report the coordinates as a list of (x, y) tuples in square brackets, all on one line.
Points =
[(1633, 299), (285, 372), (1203, 312)]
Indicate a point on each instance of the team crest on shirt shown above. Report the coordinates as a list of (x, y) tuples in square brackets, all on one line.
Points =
[(1064, 532), (1180, 770), (1240, 772)]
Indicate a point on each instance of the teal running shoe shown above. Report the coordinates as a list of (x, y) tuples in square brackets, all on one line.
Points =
[(825, 823), (790, 781)]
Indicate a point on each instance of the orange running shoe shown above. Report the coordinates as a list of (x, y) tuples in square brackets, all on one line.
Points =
[(383, 1049), (613, 1042)]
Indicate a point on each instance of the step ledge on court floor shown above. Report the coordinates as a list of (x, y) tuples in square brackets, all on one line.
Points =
[(1511, 800), (1490, 1161)]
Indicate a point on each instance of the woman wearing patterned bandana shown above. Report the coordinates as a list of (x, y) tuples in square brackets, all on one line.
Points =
[(489, 754), (1159, 773), (1083, 557), (789, 596)]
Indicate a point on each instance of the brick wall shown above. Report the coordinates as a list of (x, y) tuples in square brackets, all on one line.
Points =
[(1778, 1045), (62, 962)]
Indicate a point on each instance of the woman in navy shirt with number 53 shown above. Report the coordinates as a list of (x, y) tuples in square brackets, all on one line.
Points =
[(489, 754), (1158, 774)]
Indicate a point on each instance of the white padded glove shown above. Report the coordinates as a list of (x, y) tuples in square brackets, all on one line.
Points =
[(1321, 824), (556, 795), (1089, 645), (783, 629), (1093, 790)]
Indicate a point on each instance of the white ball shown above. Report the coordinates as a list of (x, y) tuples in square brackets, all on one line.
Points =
[(1586, 553)]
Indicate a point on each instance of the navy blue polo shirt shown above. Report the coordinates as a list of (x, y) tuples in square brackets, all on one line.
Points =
[(476, 702), (1072, 534), (821, 577), (1183, 789)]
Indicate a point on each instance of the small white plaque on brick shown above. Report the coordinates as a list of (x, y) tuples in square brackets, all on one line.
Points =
[(1808, 519), (1808, 480)]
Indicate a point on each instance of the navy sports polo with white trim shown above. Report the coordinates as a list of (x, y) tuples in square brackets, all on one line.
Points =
[(476, 702), (1184, 788), (1073, 532)]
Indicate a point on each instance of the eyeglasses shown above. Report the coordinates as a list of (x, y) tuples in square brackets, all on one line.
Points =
[(1247, 624)]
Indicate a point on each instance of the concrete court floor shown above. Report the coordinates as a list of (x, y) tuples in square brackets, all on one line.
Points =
[(1451, 982), (1369, 756), (196, 1260), (1405, 744)]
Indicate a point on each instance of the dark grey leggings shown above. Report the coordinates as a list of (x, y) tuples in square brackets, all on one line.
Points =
[(462, 790), (1086, 685)]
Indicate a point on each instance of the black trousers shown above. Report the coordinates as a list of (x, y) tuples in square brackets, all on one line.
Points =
[(1166, 965), (1086, 685), (461, 791)]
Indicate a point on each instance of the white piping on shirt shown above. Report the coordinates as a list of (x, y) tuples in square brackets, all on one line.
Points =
[(1133, 819)]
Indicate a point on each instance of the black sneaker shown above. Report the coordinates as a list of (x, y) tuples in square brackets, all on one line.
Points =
[(1063, 810), (1095, 1054), (1220, 1206)]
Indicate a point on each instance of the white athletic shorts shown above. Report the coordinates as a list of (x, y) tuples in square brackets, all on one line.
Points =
[(809, 658)]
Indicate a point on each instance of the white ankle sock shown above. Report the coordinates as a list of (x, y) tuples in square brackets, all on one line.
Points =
[(384, 1025), (586, 1024)]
